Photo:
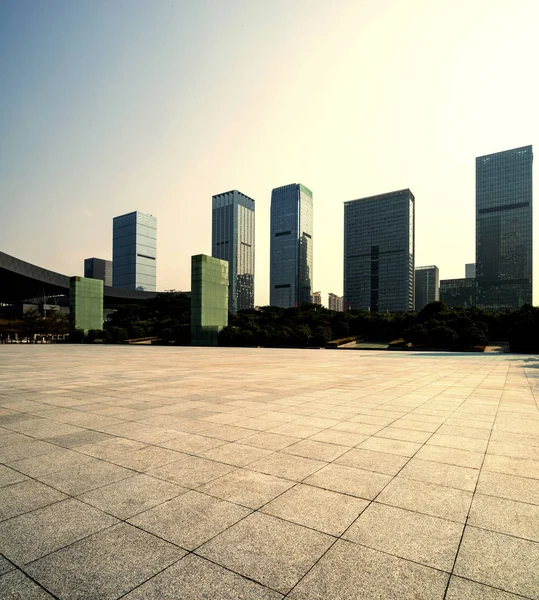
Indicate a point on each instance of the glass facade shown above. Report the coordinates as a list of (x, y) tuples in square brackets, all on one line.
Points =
[(86, 303), (209, 299), (458, 292), (98, 268), (379, 252), (470, 270), (291, 245), (233, 240), (134, 249), (427, 286), (503, 239)]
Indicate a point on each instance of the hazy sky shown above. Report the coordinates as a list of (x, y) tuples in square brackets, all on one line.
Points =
[(112, 106)]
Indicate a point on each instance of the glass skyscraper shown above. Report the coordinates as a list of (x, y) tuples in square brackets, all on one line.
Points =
[(379, 252), (134, 241), (427, 286), (503, 243), (291, 245), (98, 268), (233, 240)]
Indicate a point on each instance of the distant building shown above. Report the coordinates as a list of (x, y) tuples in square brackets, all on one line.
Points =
[(134, 241), (291, 245), (504, 229), (209, 299), (335, 302), (86, 303), (470, 270), (458, 292), (233, 240), (98, 268), (317, 298), (427, 286), (379, 252)]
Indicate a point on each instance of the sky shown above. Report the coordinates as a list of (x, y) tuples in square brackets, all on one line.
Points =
[(112, 106)]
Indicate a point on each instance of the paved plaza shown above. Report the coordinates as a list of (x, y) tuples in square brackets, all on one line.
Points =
[(154, 473)]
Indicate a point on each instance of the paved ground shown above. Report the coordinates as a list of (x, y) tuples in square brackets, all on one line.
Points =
[(157, 473)]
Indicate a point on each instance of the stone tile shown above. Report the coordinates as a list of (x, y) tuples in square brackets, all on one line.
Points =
[(228, 433), (458, 442), (271, 551), (427, 498), (462, 478), (32, 535), (512, 487), (27, 495), (110, 448), (502, 561), (131, 496), (363, 428), (460, 431), (191, 472), (5, 565), (380, 462), (192, 444), (514, 450), (85, 478), (324, 510), (293, 430), (287, 466), (248, 488), (341, 438), (194, 578), (17, 586), (71, 440), (236, 454), (269, 441), (147, 458), (349, 480), (505, 516), (53, 461), (423, 539), (310, 448), (511, 466), (9, 476), (11, 453), (105, 565), (388, 446), (463, 589), (381, 576), (191, 519), (451, 456), (407, 435), (10, 438)]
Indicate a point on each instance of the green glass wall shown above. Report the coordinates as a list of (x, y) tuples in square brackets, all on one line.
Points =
[(86, 303), (209, 299)]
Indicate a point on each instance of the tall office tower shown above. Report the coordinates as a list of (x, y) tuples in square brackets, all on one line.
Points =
[(470, 270), (134, 238), (335, 302), (503, 228), (98, 268), (317, 298), (291, 245), (427, 286), (379, 252), (233, 240), (458, 292)]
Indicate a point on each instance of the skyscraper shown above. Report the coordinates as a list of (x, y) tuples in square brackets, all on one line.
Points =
[(98, 268), (134, 239), (291, 245), (503, 242), (317, 298), (379, 252), (233, 240), (427, 286), (335, 302)]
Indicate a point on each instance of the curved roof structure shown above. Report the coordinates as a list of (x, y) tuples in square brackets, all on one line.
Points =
[(20, 280)]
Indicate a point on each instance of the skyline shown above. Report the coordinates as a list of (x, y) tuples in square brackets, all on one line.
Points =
[(156, 108)]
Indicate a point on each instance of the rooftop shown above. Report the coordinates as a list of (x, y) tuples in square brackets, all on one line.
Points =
[(161, 473)]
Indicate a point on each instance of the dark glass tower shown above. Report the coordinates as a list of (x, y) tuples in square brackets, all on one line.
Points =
[(291, 245), (503, 243), (427, 286), (379, 252), (98, 268), (134, 238), (233, 240)]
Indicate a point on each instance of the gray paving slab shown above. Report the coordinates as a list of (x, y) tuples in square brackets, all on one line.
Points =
[(194, 578), (310, 437), (105, 565), (5, 565)]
